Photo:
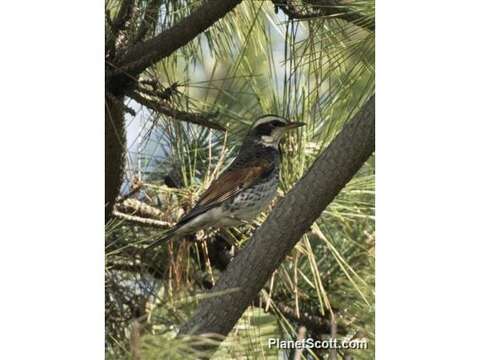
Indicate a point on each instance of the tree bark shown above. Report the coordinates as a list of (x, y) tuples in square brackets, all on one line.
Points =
[(289, 220), (115, 141)]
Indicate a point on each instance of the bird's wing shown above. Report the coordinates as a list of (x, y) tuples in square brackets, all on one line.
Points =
[(230, 183)]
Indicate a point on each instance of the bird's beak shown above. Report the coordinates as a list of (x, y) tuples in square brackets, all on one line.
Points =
[(293, 125)]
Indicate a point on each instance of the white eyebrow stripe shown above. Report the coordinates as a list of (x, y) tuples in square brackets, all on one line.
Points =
[(268, 118)]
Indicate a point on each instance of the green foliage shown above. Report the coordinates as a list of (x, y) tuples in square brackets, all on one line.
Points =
[(252, 62)]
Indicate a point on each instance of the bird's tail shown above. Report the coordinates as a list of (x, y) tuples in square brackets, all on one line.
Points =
[(166, 236)]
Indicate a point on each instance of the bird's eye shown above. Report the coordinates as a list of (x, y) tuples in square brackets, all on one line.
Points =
[(277, 123), (264, 129)]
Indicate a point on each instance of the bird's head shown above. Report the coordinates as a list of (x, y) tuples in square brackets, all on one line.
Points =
[(269, 129)]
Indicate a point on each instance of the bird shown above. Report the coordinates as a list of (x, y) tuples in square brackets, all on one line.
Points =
[(246, 187)]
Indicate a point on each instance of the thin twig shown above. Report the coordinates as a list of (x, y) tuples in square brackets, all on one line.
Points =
[(300, 337), (333, 335), (136, 187), (326, 9), (141, 220), (164, 94), (139, 208)]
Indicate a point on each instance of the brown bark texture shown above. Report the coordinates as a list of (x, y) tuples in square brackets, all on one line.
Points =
[(115, 140)]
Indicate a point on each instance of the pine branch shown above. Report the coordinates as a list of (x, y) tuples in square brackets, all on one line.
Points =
[(300, 337), (141, 220), (150, 18), (325, 9), (164, 94), (144, 54), (137, 185), (202, 119), (289, 220), (137, 207)]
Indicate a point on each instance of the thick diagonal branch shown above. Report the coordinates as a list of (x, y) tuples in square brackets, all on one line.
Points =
[(144, 54), (289, 220)]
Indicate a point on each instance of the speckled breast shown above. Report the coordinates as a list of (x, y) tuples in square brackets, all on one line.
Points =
[(250, 202)]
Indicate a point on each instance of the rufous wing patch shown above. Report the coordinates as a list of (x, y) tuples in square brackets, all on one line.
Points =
[(230, 183)]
